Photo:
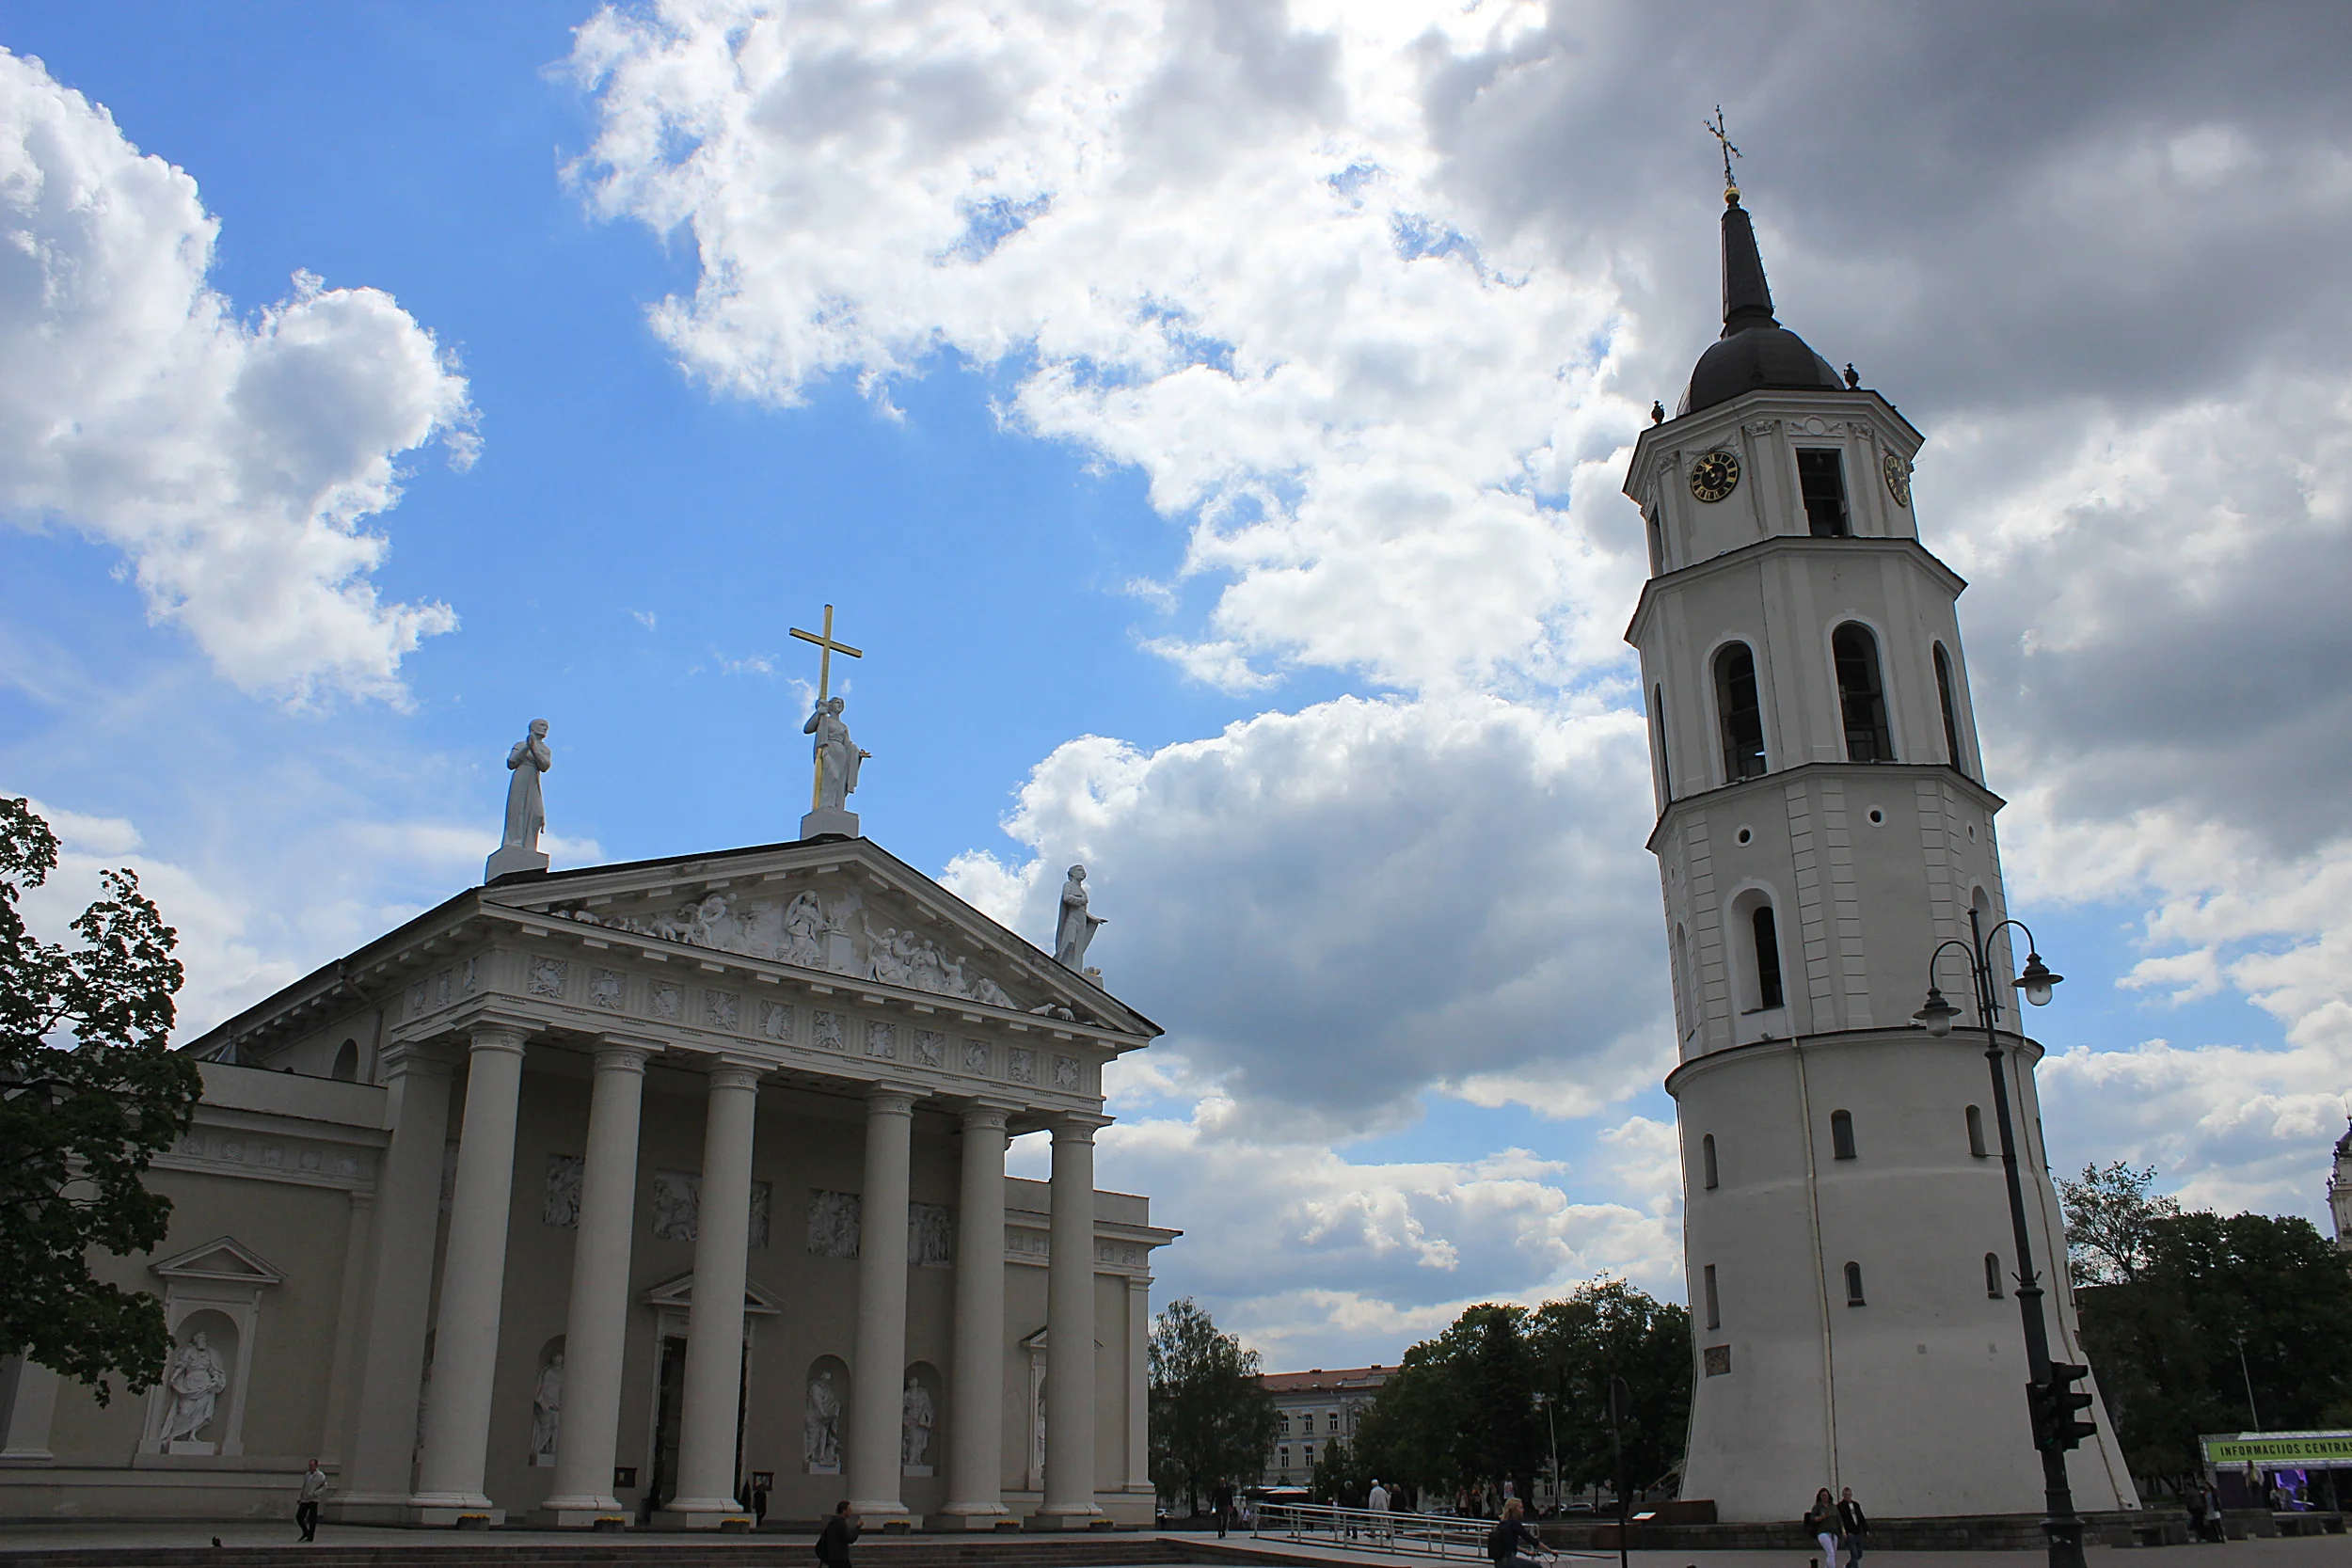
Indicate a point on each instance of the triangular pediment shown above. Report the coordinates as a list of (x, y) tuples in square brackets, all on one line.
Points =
[(223, 1259), (836, 907), (678, 1294)]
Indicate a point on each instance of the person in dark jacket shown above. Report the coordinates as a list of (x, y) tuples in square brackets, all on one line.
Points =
[(833, 1541), (1513, 1543), (1221, 1500), (1856, 1524)]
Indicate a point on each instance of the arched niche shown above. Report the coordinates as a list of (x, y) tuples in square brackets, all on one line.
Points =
[(825, 1416), (921, 1421), (213, 1309)]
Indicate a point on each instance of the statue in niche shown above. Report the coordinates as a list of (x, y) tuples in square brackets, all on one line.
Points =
[(546, 1411), (917, 1415), (197, 1380), (1076, 928), (820, 1436), (526, 813), (836, 755)]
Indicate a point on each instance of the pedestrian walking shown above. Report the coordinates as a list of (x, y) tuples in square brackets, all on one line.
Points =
[(307, 1500), (759, 1505), (833, 1541), (2196, 1501), (1221, 1499), (1855, 1524), (1377, 1501), (1513, 1543), (1822, 1524)]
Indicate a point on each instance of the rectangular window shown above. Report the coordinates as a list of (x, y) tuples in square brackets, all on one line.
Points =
[(1767, 992), (1714, 1306), (1821, 479), (1334, 1425)]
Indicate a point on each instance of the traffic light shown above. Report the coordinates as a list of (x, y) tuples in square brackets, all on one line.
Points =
[(2060, 1407)]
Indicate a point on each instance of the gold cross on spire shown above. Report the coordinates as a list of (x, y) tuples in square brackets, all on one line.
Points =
[(824, 690), (1716, 128)]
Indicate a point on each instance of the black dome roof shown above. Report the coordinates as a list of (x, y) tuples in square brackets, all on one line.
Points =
[(1756, 350)]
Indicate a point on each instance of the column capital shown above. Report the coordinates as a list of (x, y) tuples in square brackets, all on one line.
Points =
[(497, 1034), (724, 1074), (1077, 1127), (891, 1100), (985, 1114), (624, 1052)]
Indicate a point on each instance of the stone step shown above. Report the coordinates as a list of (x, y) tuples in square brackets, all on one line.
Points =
[(1094, 1550)]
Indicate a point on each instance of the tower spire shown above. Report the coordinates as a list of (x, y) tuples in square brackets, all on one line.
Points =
[(1747, 298)]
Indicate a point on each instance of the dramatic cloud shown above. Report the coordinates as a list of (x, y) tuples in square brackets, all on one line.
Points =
[(1372, 296), (1339, 910), (231, 460)]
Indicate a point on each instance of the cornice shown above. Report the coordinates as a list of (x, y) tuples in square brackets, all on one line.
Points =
[(1748, 556), (1779, 777)]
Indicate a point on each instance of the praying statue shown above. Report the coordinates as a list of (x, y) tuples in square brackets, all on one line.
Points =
[(837, 756), (1075, 929), (820, 1435), (197, 1380), (526, 813)]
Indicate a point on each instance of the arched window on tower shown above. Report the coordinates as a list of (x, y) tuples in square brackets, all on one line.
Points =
[(1658, 736), (1739, 712), (1853, 1284), (1976, 1132), (1766, 935), (346, 1061), (1707, 1160), (1993, 1276), (1841, 1135), (1821, 479), (1861, 694), (1951, 717), (1657, 545)]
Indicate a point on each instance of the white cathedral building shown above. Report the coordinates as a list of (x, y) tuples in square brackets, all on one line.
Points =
[(1824, 823), (603, 1197)]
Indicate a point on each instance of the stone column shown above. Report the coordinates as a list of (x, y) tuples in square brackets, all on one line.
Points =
[(595, 1326), (878, 1377), (407, 1213), (975, 1404), (473, 1282), (1069, 1501), (1140, 1382), (28, 1403), (714, 1324)]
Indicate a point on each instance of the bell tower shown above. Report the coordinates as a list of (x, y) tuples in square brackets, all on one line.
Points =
[(1824, 823)]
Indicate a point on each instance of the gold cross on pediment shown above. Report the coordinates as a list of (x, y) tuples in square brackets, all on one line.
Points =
[(824, 689)]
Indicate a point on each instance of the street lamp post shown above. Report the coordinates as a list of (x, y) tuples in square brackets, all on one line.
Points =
[(2053, 1427)]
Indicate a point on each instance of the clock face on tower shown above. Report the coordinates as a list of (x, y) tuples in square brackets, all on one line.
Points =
[(1715, 475), (1898, 474)]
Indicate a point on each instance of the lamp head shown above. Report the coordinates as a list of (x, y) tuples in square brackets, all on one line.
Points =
[(2037, 980), (1937, 1015)]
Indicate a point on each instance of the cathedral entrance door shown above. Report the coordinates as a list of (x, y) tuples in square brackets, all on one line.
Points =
[(667, 1410)]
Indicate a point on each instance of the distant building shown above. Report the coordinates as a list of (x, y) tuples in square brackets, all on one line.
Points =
[(2340, 1191), (1317, 1407)]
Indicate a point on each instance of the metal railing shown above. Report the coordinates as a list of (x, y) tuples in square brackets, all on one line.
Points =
[(1435, 1535)]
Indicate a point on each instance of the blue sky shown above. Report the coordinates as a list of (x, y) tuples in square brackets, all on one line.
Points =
[(1201, 518)]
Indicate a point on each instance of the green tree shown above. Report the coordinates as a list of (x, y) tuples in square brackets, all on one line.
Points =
[(1460, 1410), (1607, 1328), (1340, 1475), (1407, 1432), (1211, 1417), (2110, 1214), (91, 1092), (2211, 1305)]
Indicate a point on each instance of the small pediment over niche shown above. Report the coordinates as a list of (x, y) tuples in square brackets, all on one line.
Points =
[(678, 1295), (1037, 1341), (224, 1260)]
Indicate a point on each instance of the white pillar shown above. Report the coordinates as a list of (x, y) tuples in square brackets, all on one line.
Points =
[(407, 1213), (714, 1324), (1140, 1382), (975, 1404), (878, 1377), (1069, 1501), (473, 1282), (596, 1327), (28, 1403)]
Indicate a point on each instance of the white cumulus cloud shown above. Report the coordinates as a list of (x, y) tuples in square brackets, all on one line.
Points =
[(232, 460)]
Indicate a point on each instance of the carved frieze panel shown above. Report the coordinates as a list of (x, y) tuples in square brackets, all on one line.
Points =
[(676, 1205), (1021, 1064), (834, 1223), (722, 1009), (1066, 1074), (825, 1029), (775, 1020), (882, 1039), (930, 1048), (560, 1205), (930, 1236), (661, 999), (976, 1056), (546, 977), (608, 989), (763, 1203)]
